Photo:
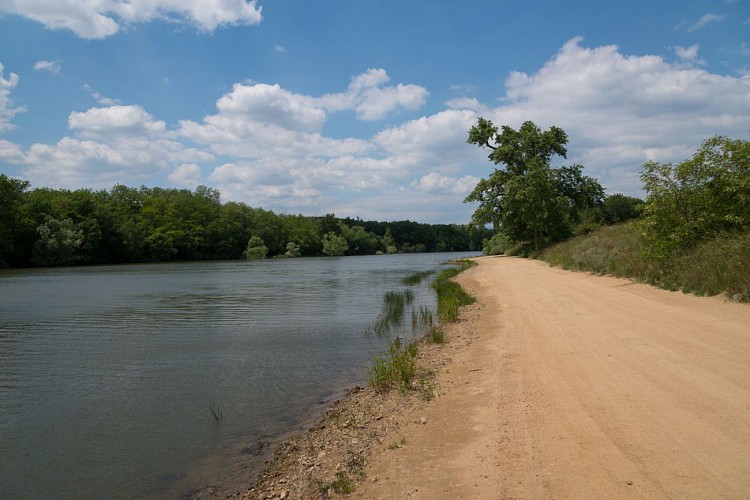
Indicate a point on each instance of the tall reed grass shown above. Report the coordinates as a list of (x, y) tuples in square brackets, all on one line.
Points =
[(397, 366)]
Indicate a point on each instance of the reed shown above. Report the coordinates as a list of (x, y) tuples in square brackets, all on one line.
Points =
[(451, 295), (417, 278)]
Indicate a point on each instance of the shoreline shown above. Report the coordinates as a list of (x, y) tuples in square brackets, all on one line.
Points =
[(327, 458)]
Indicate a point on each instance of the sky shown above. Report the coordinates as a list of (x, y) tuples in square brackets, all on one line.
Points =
[(358, 108)]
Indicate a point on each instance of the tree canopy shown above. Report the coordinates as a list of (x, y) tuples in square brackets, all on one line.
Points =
[(125, 224), (526, 199)]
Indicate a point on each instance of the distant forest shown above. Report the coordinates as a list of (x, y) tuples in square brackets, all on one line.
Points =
[(55, 227)]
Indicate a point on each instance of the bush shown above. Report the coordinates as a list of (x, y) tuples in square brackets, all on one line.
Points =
[(697, 199), (498, 244)]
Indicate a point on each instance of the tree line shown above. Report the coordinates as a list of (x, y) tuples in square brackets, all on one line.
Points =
[(52, 227), (532, 205)]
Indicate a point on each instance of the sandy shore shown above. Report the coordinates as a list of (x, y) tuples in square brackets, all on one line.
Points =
[(553, 385)]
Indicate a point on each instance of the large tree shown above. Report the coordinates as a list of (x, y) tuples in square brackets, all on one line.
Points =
[(525, 197)]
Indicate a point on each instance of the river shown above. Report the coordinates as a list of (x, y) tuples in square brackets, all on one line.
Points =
[(142, 381)]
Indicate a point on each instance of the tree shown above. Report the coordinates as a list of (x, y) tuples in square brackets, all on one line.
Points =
[(620, 208), (256, 249), (334, 244), (58, 243), (698, 198), (292, 250), (527, 199), (11, 218)]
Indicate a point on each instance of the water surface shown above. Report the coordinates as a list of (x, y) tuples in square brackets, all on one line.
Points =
[(108, 374)]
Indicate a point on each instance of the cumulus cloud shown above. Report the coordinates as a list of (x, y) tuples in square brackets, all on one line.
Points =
[(267, 145), (187, 175), (115, 144), (434, 182), (258, 120), (115, 121), (621, 110), (369, 96), (53, 67), (96, 19), (10, 152), (7, 111)]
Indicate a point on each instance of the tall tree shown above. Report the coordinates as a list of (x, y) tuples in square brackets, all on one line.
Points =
[(526, 198)]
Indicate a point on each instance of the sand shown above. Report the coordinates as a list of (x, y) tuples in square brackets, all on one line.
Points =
[(554, 385)]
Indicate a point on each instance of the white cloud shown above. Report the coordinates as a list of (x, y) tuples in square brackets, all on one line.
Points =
[(95, 19), (279, 48), (7, 111), (99, 98), (116, 144), (258, 120), (10, 152), (705, 21), (120, 120), (53, 67), (372, 100), (620, 111), (435, 183), (187, 175), (687, 54)]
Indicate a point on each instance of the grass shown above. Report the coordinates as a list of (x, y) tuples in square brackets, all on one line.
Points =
[(417, 278), (451, 295), (342, 484), (392, 311), (397, 367), (718, 266)]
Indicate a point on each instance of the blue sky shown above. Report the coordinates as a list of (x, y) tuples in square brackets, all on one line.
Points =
[(358, 108)]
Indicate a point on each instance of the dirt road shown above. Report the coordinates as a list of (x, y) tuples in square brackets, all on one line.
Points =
[(578, 386)]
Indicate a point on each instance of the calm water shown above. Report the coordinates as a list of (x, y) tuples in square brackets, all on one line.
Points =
[(107, 374)]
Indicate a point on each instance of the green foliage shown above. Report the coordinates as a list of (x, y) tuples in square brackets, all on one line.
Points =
[(396, 366), (451, 295), (618, 208), (416, 278), (334, 244), (292, 250), (527, 199), (719, 265), (497, 245), (144, 224), (11, 218), (58, 243), (256, 249), (392, 311), (698, 198)]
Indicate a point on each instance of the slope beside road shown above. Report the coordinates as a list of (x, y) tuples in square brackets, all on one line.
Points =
[(579, 386)]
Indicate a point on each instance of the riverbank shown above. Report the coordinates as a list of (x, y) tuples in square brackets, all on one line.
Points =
[(330, 458), (554, 384)]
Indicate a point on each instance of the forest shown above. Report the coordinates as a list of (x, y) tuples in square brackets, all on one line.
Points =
[(56, 227)]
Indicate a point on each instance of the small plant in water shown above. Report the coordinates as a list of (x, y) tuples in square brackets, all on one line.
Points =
[(416, 278), (216, 413)]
